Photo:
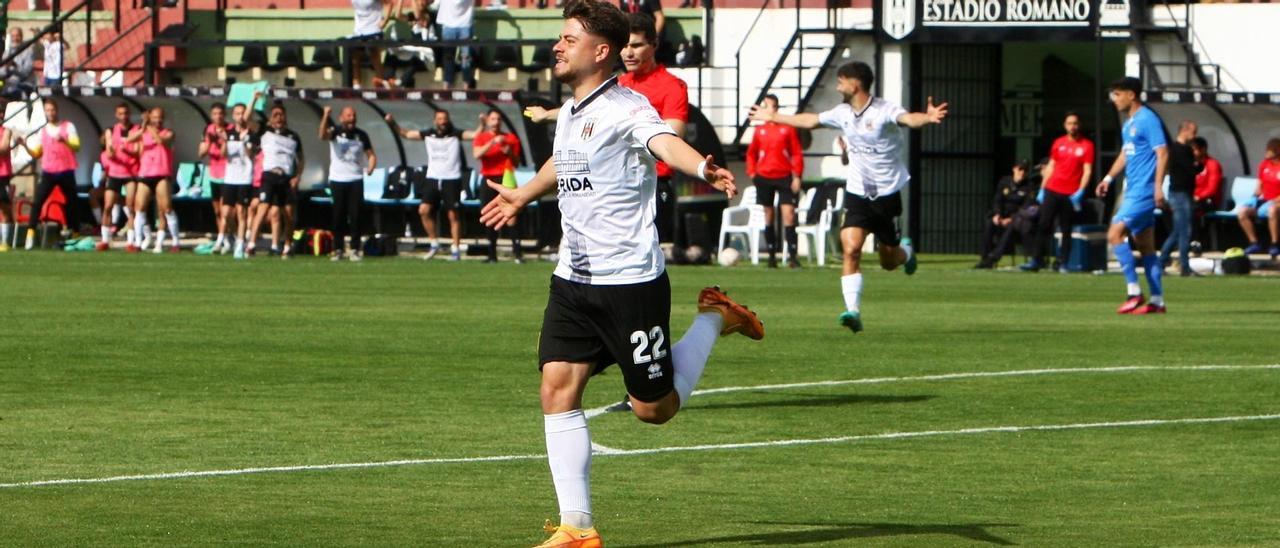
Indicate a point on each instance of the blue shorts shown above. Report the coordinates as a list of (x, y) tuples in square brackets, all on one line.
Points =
[(1264, 208), (1136, 221)]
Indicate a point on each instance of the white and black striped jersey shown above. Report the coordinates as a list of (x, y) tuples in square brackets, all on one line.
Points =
[(606, 179), (877, 146), (239, 160), (280, 149), (347, 160), (444, 153)]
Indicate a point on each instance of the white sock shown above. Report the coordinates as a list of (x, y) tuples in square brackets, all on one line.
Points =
[(689, 355), (116, 212), (172, 219), (106, 233), (4, 234), (569, 456), (160, 239), (1133, 289), (1157, 300), (222, 238), (851, 286), (140, 228), (31, 239)]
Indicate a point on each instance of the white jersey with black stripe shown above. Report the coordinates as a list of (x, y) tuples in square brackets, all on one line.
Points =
[(877, 146), (606, 181)]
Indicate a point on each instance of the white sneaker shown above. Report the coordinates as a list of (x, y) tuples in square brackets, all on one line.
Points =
[(335, 257), (455, 257), (431, 253), (356, 257)]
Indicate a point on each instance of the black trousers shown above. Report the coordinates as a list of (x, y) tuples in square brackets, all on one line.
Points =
[(66, 182), (347, 199), (1056, 210), (996, 239), (487, 195)]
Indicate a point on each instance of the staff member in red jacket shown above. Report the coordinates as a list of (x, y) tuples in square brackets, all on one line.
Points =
[(1208, 187), (775, 163), (1070, 169), (497, 152), (666, 92)]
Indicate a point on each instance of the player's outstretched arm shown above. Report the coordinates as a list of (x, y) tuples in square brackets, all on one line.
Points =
[(933, 114), (682, 157), (803, 120), (503, 209), (540, 115)]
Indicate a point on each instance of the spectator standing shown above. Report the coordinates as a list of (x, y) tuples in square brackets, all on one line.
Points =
[(775, 163), (1264, 202), (17, 74), (1182, 183), (456, 18), (53, 59), (405, 61), (1013, 209), (370, 18), (497, 152), (1069, 171), (652, 8), (1208, 187)]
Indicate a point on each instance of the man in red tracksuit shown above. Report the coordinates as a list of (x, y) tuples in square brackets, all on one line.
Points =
[(775, 163)]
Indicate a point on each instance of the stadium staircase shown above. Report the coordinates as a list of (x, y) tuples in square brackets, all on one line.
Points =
[(119, 51), (1172, 57)]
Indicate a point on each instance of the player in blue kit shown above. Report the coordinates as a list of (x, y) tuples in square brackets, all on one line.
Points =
[(1143, 162)]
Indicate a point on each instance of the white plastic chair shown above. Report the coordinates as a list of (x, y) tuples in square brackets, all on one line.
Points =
[(745, 219), (817, 233)]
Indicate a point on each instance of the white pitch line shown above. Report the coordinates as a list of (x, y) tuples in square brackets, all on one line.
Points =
[(675, 449), (592, 413)]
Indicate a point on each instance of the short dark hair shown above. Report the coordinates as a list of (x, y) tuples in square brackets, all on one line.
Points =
[(439, 110), (122, 106), (1023, 164), (642, 23), (772, 97), (217, 106), (1069, 114), (857, 70), (601, 19), (49, 101), (1128, 83), (277, 105), (1273, 146), (1200, 142)]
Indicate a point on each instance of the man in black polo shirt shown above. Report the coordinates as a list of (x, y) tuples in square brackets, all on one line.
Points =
[(1182, 184)]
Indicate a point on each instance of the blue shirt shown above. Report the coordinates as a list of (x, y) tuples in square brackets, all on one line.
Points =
[(1143, 133)]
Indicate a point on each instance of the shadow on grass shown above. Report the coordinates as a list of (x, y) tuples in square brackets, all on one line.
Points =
[(816, 533), (815, 401)]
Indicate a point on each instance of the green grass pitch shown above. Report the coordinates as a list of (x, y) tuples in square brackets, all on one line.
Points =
[(116, 365)]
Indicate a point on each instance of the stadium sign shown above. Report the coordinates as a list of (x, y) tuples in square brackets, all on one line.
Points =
[(999, 20)]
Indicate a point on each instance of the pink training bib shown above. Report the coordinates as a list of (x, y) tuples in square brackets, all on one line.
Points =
[(123, 163), (157, 158), (57, 154)]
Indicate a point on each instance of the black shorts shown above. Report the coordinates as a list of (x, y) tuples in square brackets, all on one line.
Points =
[(275, 189), (766, 188), (879, 216), (443, 193), (607, 324), (215, 190), (117, 184), (151, 182), (236, 194), (4, 189)]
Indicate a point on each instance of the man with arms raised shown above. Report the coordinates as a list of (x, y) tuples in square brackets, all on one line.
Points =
[(610, 298), (873, 128)]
